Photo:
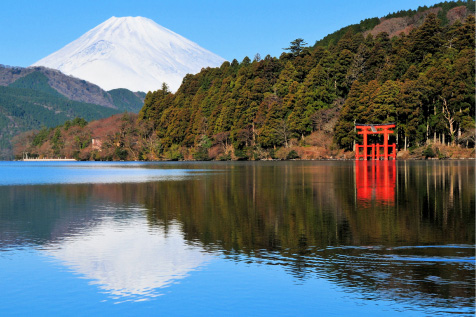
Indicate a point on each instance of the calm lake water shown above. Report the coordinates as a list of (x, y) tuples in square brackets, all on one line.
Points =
[(253, 238)]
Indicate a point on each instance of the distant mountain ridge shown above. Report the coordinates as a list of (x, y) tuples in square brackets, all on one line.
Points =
[(131, 52), (35, 97), (72, 88)]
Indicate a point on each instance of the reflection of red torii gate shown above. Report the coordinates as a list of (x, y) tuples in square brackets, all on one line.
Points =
[(366, 129), (375, 182)]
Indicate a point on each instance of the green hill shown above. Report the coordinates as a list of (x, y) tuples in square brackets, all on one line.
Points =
[(127, 100), (36, 81), (32, 98), (23, 109)]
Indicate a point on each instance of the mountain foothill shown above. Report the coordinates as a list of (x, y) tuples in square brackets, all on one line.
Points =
[(37, 97), (413, 68)]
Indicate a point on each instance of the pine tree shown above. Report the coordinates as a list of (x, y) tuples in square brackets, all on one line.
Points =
[(427, 38), (296, 47)]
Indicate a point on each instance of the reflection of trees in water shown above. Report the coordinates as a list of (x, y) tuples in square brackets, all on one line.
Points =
[(284, 215), (252, 208), (38, 214), (435, 204), (277, 207), (297, 215)]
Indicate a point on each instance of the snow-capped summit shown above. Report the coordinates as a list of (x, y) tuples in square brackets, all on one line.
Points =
[(131, 52)]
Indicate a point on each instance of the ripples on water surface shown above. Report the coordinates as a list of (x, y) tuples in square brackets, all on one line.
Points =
[(266, 238)]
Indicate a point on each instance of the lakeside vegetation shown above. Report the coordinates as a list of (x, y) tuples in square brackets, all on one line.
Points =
[(303, 104)]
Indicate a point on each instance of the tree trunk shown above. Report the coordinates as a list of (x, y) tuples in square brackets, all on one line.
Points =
[(427, 132), (253, 135), (396, 141), (355, 129), (449, 118)]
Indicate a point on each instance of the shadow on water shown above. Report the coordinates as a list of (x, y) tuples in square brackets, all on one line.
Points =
[(397, 230)]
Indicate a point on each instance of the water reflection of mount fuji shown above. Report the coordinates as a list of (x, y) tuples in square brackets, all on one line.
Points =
[(128, 260), (100, 234)]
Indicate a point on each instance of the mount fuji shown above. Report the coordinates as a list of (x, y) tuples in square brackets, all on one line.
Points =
[(131, 52)]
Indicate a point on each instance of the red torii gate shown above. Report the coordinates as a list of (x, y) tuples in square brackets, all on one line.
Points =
[(366, 129)]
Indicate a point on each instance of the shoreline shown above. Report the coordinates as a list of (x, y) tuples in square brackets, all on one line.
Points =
[(264, 160), (48, 160)]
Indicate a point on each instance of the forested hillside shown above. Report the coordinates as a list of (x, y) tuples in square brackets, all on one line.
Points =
[(305, 103), (423, 81), (70, 87), (403, 21), (32, 98), (26, 109)]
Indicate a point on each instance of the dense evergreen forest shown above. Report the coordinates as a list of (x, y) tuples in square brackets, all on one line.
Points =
[(421, 79)]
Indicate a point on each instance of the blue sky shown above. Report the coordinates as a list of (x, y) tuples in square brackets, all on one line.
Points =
[(33, 29)]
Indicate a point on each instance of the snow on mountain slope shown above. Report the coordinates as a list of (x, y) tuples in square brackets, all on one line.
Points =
[(131, 52)]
